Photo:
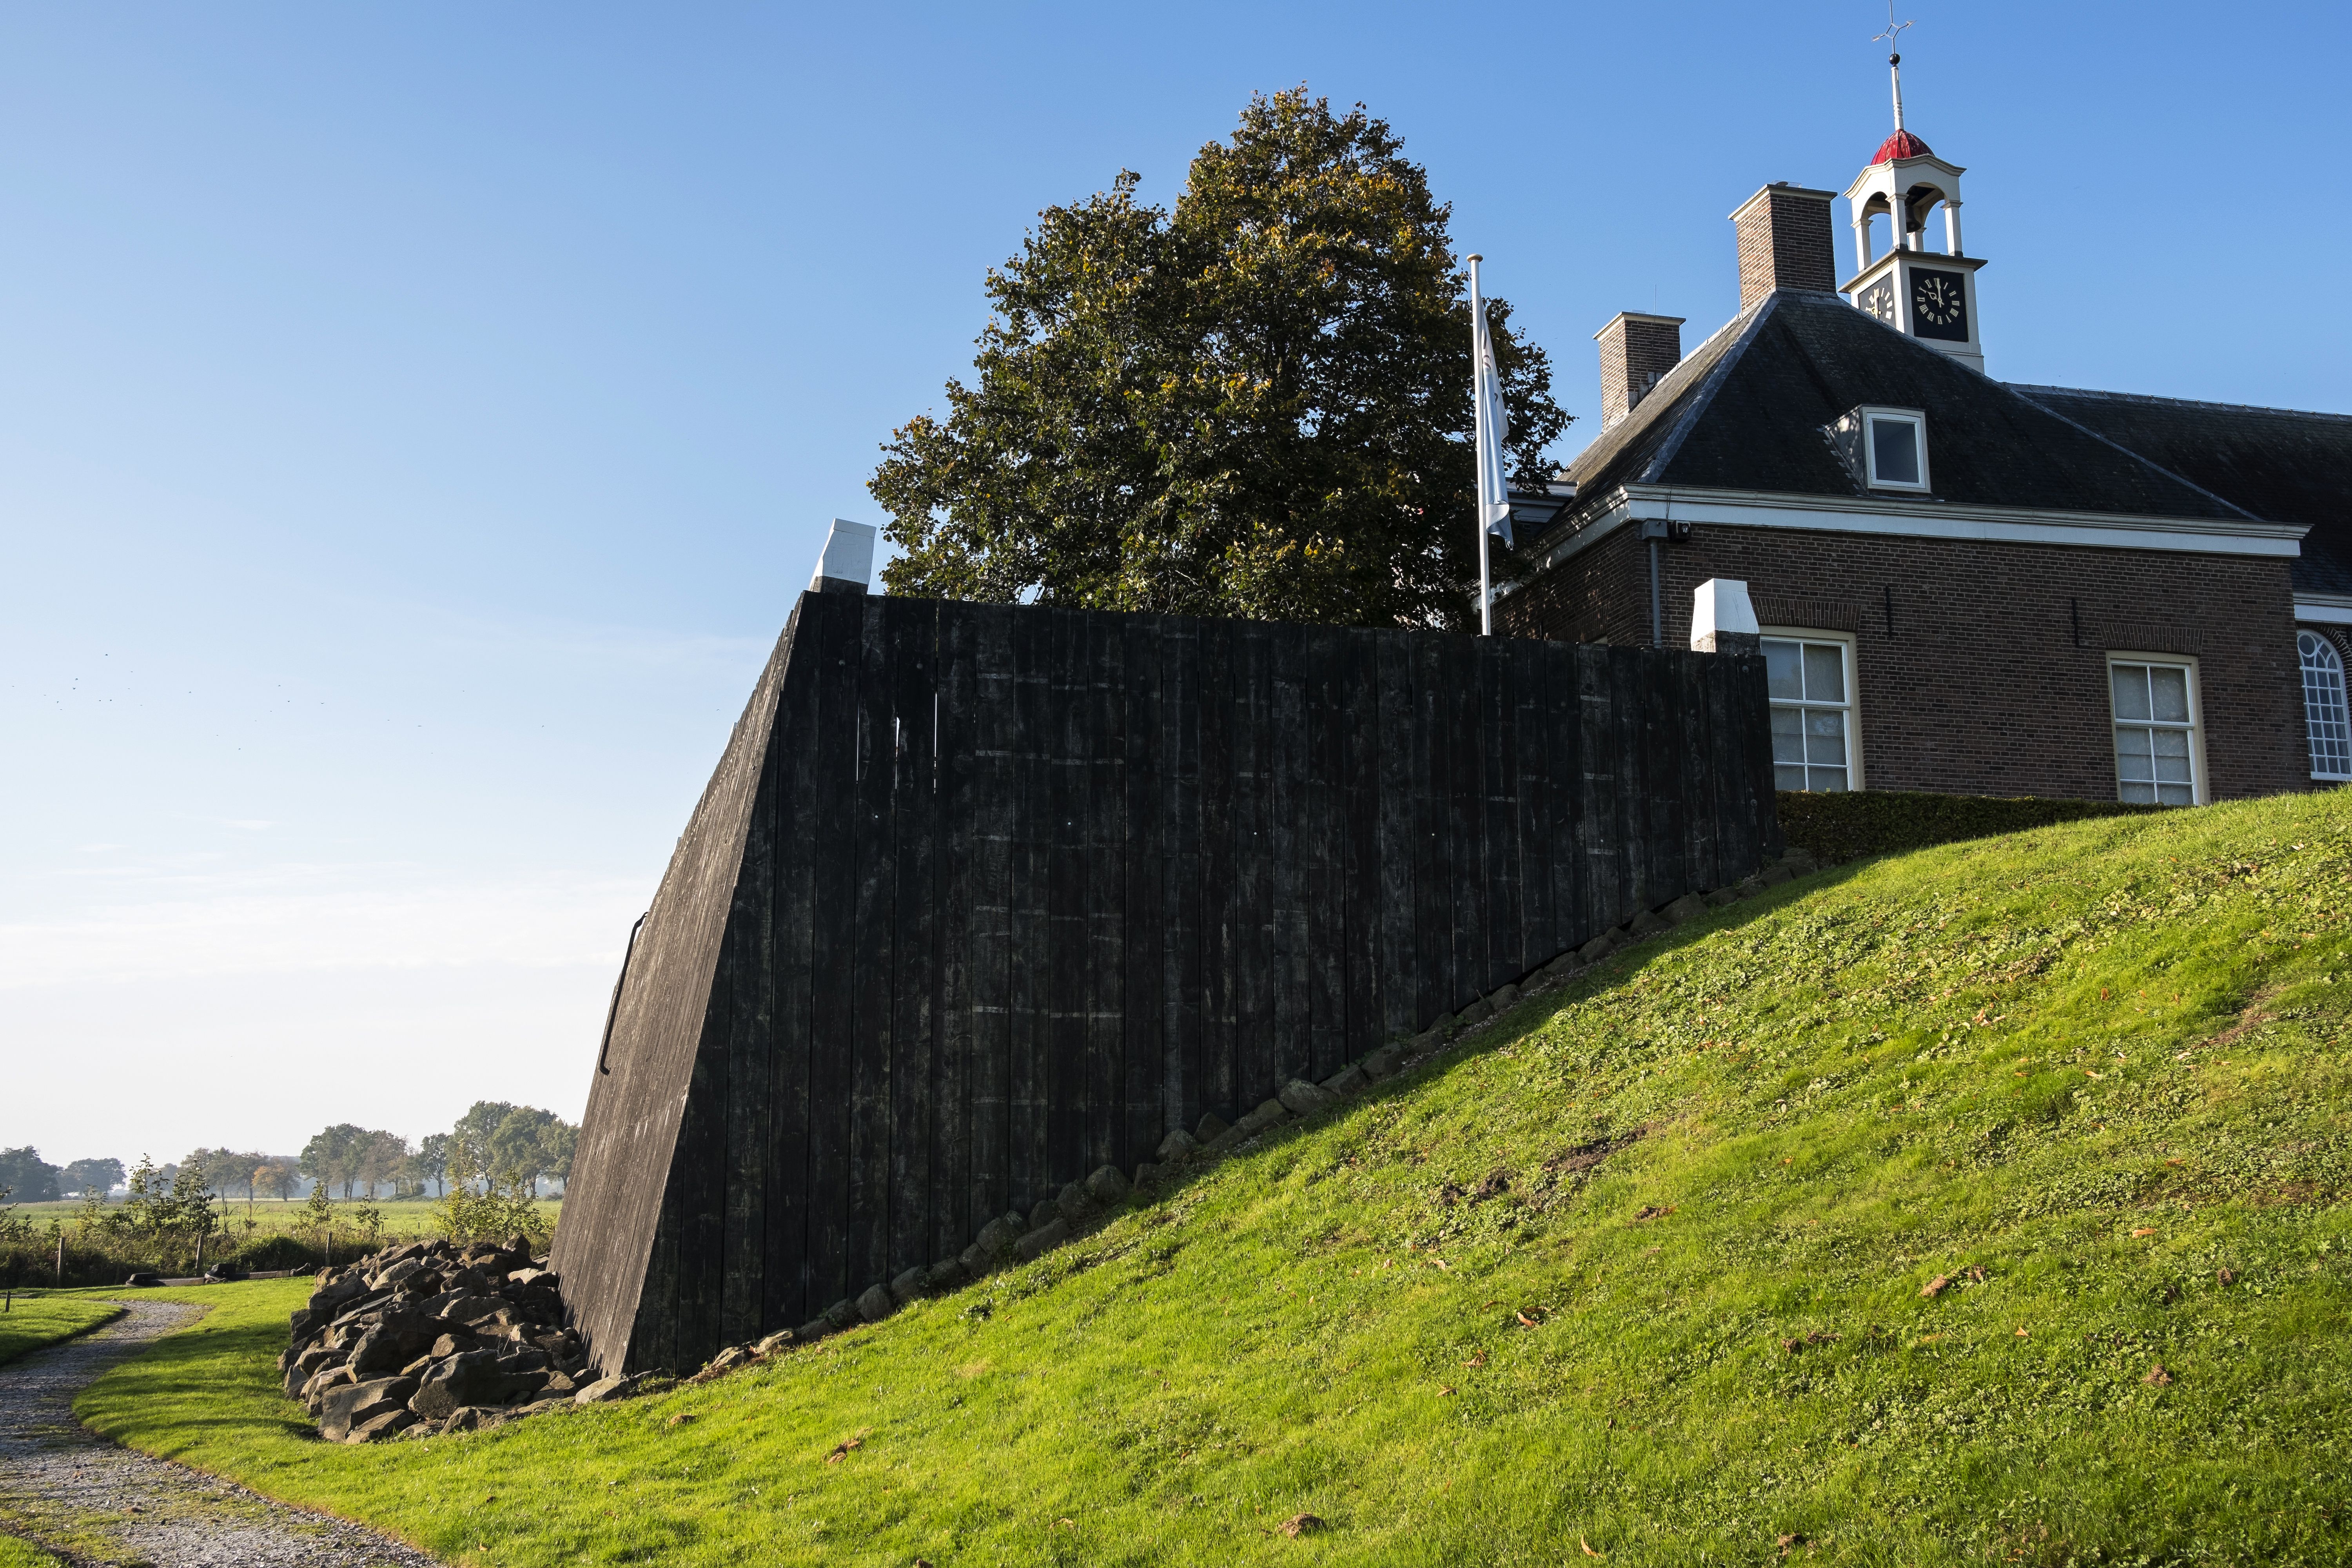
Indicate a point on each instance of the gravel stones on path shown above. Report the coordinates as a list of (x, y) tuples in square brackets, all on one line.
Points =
[(73, 1493)]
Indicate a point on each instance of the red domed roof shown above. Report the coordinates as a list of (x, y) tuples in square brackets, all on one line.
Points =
[(1902, 144)]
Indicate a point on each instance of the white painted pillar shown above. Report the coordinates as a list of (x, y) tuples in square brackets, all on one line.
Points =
[(1723, 620), (847, 565), (1952, 226)]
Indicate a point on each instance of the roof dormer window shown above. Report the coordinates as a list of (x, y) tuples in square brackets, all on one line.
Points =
[(1886, 449), (1898, 448)]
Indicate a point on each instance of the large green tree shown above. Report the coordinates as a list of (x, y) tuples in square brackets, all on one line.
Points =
[(1257, 403)]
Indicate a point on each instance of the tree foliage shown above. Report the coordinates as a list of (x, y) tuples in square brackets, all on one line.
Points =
[(32, 1179), (99, 1176), (1257, 404)]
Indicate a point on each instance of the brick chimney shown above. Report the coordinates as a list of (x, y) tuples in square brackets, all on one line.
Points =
[(1636, 351), (1784, 242)]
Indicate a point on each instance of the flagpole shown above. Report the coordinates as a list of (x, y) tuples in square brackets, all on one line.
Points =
[(1478, 422)]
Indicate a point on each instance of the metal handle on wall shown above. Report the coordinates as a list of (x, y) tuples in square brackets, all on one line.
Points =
[(613, 1011)]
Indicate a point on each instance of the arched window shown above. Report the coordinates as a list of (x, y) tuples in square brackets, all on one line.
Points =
[(2324, 715)]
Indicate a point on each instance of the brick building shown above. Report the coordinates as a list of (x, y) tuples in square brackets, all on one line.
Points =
[(1958, 584)]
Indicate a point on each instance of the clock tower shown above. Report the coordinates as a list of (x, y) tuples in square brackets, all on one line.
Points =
[(1930, 295)]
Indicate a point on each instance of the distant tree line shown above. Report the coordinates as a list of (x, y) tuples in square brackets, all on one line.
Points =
[(34, 1180), (495, 1142)]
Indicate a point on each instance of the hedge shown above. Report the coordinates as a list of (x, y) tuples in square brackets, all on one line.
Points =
[(1858, 823)]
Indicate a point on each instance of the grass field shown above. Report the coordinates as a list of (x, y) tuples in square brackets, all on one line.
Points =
[(32, 1322), (1647, 1274), (15, 1553)]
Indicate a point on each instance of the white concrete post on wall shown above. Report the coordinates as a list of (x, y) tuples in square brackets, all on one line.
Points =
[(1722, 618), (846, 565)]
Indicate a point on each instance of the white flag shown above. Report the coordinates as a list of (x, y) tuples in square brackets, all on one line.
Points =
[(1493, 422)]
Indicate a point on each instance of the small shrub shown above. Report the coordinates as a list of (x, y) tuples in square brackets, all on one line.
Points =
[(1862, 823)]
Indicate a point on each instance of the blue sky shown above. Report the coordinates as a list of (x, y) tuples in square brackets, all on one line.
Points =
[(415, 421)]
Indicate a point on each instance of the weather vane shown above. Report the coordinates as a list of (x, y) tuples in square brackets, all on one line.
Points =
[(1894, 36)]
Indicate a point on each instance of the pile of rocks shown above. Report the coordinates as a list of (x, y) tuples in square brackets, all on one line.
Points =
[(1081, 1207), (429, 1338)]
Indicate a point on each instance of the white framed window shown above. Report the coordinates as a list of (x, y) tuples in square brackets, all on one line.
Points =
[(1895, 449), (2158, 752), (1816, 739), (2325, 721)]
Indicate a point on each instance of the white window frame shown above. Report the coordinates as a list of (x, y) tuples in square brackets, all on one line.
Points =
[(1845, 641), (2199, 792), (2343, 698), (1917, 420)]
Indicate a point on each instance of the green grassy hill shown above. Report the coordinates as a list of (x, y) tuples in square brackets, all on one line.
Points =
[(1645, 1274)]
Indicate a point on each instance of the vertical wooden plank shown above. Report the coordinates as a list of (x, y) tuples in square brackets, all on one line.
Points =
[(996, 793), (1599, 831), (1744, 730), (1464, 800), (833, 946), (1630, 755), (1065, 957), (1499, 833), (1252, 905), (796, 748), (1034, 635), (952, 1226), (1321, 953), (1355, 721), (1290, 853), (1565, 779), (1699, 816), (1399, 788), (1531, 738), (1184, 869), (1142, 852), (1662, 727), (751, 1021), (703, 1152), (871, 1054), (1433, 695), (912, 627), (1220, 1071), (1105, 960)]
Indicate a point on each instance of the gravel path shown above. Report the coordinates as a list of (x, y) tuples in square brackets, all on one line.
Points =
[(91, 1502)]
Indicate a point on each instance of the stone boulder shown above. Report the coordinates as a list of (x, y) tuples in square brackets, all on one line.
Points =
[(357, 1403), (1303, 1099), (392, 1343), (476, 1377)]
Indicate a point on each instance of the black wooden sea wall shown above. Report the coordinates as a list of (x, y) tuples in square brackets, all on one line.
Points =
[(983, 898)]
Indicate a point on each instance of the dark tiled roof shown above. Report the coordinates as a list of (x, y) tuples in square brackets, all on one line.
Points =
[(1749, 410), (2278, 464)]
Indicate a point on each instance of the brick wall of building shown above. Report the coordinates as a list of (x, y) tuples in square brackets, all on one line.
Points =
[(1982, 667), (1600, 596)]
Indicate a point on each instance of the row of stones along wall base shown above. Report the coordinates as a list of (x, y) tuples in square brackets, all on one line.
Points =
[(429, 1338), (1015, 1239)]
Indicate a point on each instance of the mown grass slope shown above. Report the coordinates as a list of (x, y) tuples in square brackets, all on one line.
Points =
[(15, 1553), (1636, 1275), (32, 1322)]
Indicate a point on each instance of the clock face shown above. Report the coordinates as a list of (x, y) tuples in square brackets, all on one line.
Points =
[(1879, 300), (1938, 306)]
